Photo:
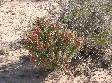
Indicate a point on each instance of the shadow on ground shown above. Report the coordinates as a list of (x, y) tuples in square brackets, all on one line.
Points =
[(22, 71)]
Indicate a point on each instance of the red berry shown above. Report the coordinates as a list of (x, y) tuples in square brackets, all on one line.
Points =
[(51, 42), (44, 46), (54, 58), (56, 26), (37, 29), (68, 39), (40, 43), (33, 60), (47, 20), (51, 27), (78, 42), (28, 37), (71, 35), (35, 37)]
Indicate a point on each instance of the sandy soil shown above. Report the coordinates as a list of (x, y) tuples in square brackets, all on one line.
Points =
[(15, 66)]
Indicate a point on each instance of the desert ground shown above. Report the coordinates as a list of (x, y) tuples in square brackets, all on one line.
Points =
[(15, 65)]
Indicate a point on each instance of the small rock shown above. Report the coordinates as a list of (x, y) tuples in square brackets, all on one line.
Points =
[(2, 52), (13, 14)]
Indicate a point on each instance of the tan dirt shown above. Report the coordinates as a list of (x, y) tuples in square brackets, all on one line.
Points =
[(15, 66)]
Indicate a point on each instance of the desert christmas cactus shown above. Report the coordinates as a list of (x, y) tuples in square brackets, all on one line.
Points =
[(51, 45)]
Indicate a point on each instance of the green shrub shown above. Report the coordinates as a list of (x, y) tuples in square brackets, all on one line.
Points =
[(51, 44)]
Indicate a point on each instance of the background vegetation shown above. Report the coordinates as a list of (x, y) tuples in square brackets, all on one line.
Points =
[(92, 20)]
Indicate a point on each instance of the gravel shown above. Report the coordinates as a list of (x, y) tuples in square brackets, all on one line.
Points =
[(15, 67)]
